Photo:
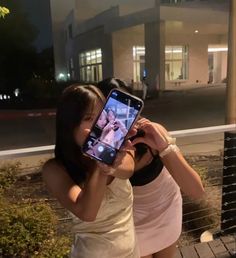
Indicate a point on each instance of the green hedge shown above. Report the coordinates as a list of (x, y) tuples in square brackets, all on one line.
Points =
[(28, 228)]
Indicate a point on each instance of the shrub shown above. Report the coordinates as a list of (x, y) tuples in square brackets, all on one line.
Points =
[(57, 247), (29, 230), (8, 175)]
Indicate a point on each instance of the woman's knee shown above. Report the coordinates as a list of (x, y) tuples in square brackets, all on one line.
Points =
[(168, 252)]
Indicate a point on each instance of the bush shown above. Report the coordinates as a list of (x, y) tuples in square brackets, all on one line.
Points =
[(29, 230), (55, 247), (8, 175)]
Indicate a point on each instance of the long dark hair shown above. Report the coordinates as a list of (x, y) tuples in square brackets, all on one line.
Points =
[(72, 107), (108, 84)]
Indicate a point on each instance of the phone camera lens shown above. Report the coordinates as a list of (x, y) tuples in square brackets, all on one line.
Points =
[(100, 148)]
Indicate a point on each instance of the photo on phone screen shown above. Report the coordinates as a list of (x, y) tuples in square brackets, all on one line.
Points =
[(110, 129)]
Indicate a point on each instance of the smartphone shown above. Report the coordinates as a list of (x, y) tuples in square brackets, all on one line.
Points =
[(111, 126)]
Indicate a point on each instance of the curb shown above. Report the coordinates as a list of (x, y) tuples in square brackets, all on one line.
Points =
[(8, 115)]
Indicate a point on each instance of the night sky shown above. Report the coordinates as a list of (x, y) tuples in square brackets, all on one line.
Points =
[(39, 15)]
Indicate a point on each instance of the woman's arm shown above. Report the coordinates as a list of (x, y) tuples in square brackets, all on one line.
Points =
[(82, 202), (125, 165), (185, 176), (122, 126), (109, 126)]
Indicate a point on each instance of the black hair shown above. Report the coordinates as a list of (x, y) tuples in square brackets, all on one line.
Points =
[(108, 84), (72, 107)]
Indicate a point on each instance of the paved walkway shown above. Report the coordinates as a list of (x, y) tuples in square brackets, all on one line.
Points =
[(224, 247), (192, 86)]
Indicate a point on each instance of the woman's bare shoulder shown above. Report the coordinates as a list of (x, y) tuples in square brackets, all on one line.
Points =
[(56, 177), (53, 167), (51, 163)]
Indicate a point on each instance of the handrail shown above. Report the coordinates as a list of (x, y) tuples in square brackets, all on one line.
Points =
[(180, 133), (26, 151), (203, 130)]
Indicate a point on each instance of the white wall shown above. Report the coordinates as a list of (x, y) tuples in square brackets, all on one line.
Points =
[(224, 61), (123, 42), (198, 53)]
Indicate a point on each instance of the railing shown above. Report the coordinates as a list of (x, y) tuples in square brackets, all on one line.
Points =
[(216, 213)]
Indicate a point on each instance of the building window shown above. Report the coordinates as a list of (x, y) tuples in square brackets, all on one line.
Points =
[(138, 63), (65, 35), (71, 70), (176, 63), (90, 65), (171, 1), (70, 31)]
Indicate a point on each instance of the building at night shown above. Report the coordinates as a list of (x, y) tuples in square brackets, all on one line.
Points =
[(168, 42)]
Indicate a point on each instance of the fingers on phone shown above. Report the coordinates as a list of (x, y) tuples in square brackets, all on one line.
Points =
[(106, 169)]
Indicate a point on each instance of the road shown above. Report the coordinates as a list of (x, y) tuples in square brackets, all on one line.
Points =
[(188, 109), (176, 110)]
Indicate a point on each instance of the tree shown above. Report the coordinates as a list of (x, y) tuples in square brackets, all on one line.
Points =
[(45, 64), (3, 11), (18, 55)]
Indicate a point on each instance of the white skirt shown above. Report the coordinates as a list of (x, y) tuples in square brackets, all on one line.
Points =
[(157, 213)]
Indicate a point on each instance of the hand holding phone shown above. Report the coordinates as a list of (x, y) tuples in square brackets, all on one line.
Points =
[(118, 115)]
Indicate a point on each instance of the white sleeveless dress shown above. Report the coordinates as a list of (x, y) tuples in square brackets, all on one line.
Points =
[(112, 234)]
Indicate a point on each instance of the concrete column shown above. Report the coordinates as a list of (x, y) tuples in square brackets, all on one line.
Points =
[(231, 75), (155, 53), (217, 68), (162, 55), (59, 50), (107, 56)]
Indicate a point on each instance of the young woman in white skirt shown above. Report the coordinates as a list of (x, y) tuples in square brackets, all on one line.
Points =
[(160, 172)]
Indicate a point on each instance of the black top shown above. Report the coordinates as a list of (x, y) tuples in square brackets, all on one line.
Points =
[(148, 173)]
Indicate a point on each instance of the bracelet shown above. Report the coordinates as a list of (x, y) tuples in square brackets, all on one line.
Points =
[(167, 150), (170, 140)]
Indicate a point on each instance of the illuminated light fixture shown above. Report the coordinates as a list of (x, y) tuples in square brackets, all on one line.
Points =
[(61, 75), (16, 92), (4, 96), (1, 97), (217, 49), (138, 51), (196, 31), (173, 51)]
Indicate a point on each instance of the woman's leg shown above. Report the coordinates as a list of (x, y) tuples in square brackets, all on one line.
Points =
[(168, 252)]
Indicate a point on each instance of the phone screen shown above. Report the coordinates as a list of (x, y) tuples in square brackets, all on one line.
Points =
[(112, 125)]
